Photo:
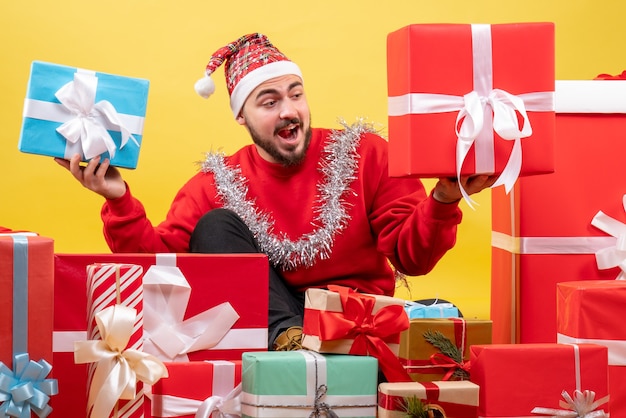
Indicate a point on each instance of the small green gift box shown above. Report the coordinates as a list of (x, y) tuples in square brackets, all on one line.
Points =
[(304, 383)]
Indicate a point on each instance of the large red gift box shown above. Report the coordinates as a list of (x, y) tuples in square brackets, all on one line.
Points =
[(593, 311), (436, 72), (239, 279), (516, 378), (208, 386), (542, 231)]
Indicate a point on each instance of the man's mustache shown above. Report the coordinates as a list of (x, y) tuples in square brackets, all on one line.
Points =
[(286, 123)]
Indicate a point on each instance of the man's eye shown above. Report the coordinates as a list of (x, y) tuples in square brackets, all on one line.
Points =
[(269, 103)]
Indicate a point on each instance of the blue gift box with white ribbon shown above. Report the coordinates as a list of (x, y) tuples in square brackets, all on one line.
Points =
[(435, 310), (70, 111)]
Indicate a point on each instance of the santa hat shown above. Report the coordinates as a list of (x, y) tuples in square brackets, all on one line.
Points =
[(249, 61)]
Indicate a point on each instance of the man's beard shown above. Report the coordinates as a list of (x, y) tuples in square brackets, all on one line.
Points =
[(291, 158)]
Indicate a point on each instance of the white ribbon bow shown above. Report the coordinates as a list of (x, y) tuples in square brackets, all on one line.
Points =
[(470, 123), (582, 405), (91, 119), (166, 335), (613, 256), (118, 368)]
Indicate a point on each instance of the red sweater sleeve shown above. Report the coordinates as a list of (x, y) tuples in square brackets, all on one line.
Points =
[(127, 228), (413, 229)]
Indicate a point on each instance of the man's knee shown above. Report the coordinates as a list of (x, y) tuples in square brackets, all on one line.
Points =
[(221, 231)]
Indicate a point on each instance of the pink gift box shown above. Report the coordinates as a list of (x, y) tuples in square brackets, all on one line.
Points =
[(516, 378), (433, 70), (592, 311), (214, 279), (542, 231), (191, 384)]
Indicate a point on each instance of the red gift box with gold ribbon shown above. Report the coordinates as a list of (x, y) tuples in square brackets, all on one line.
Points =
[(340, 320), (546, 231), (458, 399)]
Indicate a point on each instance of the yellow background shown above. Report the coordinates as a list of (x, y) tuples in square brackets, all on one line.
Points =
[(339, 45)]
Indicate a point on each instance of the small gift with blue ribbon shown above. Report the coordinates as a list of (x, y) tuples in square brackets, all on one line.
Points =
[(25, 388)]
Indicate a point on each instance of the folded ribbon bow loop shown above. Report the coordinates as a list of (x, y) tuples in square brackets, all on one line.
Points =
[(582, 405), (91, 120), (118, 369), (166, 335), (26, 389), (369, 331), (613, 256), (470, 124), (228, 406)]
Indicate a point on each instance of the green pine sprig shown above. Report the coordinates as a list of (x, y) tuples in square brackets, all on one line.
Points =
[(413, 407), (443, 344)]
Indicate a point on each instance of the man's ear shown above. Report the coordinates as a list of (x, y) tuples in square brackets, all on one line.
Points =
[(241, 120)]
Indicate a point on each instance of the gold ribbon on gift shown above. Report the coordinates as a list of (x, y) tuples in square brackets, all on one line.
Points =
[(117, 369)]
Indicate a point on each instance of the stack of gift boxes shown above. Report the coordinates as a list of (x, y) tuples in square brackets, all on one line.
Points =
[(174, 335)]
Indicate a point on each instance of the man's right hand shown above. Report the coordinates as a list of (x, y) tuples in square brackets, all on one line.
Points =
[(101, 178)]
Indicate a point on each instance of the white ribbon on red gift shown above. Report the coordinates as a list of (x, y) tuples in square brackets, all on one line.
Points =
[(85, 123), (167, 335), (610, 251), (475, 124), (225, 401), (117, 368), (582, 405), (615, 255)]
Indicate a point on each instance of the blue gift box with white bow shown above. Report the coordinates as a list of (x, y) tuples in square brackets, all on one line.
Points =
[(70, 111)]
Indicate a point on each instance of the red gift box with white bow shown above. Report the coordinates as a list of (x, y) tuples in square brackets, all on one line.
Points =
[(471, 98), (215, 284)]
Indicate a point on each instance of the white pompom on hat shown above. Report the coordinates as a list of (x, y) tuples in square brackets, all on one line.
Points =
[(249, 61)]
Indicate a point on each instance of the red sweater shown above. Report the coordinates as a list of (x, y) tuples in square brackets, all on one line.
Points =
[(391, 219)]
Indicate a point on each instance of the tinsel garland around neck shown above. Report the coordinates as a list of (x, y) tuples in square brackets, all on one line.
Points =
[(339, 164)]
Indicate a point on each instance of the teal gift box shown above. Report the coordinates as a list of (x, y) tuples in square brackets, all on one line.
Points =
[(70, 111), (304, 383)]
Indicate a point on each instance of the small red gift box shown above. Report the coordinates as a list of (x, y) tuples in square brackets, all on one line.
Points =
[(516, 378), (214, 280), (209, 386), (593, 311), (340, 320), (542, 231), (456, 92), (452, 399)]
